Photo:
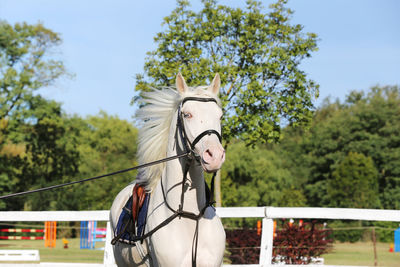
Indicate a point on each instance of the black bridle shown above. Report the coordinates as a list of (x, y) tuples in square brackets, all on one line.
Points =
[(191, 156), (181, 127)]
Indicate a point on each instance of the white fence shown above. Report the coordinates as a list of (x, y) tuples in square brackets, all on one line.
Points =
[(268, 214)]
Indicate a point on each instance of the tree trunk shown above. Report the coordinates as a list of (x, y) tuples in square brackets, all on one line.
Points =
[(217, 189)]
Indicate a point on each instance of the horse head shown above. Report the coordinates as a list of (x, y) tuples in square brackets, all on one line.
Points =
[(200, 115)]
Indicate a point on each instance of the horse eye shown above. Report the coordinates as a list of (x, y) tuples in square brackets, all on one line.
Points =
[(187, 115)]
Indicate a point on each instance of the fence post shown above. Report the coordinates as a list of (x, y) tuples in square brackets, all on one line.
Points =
[(267, 237), (108, 249)]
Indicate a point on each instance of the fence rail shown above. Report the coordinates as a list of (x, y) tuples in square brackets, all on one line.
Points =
[(268, 214)]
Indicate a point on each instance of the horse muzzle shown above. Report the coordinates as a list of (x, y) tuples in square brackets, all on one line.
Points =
[(212, 158)]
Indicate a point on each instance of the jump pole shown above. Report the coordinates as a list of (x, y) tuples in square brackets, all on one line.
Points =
[(17, 237), (50, 234)]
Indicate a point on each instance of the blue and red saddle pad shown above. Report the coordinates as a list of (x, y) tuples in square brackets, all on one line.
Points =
[(132, 225)]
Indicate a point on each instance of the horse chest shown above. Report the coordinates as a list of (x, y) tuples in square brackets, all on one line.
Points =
[(211, 245), (173, 245)]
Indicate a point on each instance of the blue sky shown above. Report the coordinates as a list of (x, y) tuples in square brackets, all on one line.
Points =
[(105, 42)]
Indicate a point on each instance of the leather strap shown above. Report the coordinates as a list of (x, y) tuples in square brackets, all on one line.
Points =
[(138, 196)]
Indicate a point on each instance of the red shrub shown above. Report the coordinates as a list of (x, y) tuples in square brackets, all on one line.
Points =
[(293, 244), (243, 246), (298, 244)]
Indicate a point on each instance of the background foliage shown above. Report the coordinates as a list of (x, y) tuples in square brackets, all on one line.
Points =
[(348, 157), (361, 134)]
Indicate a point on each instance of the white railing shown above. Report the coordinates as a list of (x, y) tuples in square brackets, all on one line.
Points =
[(268, 214)]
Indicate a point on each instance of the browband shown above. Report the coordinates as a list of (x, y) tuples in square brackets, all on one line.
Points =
[(201, 99)]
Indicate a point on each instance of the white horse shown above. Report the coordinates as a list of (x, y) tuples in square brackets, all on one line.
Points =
[(174, 121)]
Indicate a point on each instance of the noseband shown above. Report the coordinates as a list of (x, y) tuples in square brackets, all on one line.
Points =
[(182, 131)]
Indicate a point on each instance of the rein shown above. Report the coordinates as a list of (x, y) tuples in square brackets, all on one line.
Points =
[(188, 152), (185, 154)]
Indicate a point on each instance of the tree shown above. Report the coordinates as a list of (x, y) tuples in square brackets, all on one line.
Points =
[(366, 123), (10, 157), (354, 183), (105, 144), (257, 55), (25, 65), (257, 177), (51, 156)]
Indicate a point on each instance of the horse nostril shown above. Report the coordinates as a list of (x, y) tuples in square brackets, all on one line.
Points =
[(209, 153)]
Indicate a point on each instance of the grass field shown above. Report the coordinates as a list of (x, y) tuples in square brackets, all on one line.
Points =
[(58, 254), (361, 253)]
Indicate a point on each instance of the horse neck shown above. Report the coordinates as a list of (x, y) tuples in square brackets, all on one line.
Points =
[(194, 189)]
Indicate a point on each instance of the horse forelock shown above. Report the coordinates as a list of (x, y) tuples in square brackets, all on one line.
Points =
[(155, 117)]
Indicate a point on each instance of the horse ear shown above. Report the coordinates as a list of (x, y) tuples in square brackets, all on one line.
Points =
[(181, 84), (215, 85)]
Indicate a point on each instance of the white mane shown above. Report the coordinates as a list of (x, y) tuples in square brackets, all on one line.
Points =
[(156, 116)]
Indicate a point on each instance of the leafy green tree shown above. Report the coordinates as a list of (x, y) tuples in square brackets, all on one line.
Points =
[(366, 123), (60, 149), (258, 56), (25, 64), (51, 156), (354, 183), (380, 111), (258, 177), (105, 144), (39, 144), (10, 156)]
